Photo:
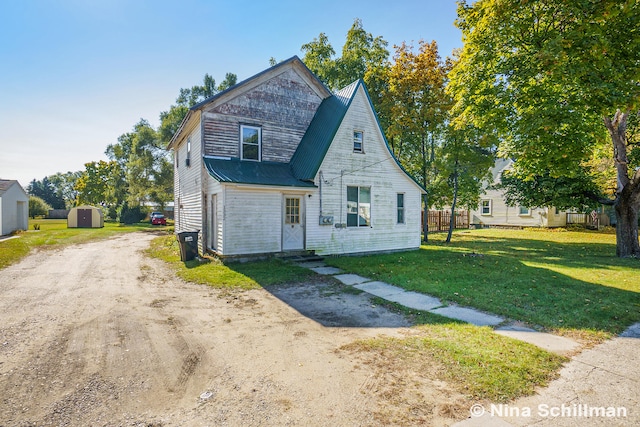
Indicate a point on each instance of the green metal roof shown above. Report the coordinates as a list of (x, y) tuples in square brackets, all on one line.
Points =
[(305, 162), (248, 172), (308, 157)]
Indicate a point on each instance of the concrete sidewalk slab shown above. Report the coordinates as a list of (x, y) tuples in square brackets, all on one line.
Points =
[(379, 289), (604, 376), (549, 342), (351, 279), (415, 300), (632, 331), (468, 315), (326, 270)]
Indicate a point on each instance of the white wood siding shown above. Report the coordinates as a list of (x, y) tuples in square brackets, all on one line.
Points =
[(14, 210), (188, 187), (509, 216), (375, 168), (252, 220)]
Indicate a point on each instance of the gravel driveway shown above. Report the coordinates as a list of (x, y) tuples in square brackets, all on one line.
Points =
[(100, 334)]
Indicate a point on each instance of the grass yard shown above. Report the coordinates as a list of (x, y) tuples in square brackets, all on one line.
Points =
[(476, 361), (569, 282), (211, 272), (54, 233)]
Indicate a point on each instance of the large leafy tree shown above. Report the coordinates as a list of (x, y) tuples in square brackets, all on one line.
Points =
[(363, 56), (549, 78), (95, 186)]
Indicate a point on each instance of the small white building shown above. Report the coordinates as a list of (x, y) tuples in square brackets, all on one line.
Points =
[(14, 207), (279, 164), (494, 211)]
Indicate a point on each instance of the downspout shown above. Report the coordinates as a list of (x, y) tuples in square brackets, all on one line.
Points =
[(321, 177)]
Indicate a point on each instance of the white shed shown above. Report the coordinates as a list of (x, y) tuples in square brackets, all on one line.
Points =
[(14, 207)]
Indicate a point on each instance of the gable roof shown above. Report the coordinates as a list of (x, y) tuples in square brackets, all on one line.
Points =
[(237, 171), (5, 184), (315, 143), (309, 154), (294, 61)]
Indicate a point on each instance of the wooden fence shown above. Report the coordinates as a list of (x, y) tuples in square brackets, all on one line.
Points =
[(439, 220), (589, 220)]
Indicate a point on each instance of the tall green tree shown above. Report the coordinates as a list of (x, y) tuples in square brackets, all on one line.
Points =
[(363, 56), (47, 191), (548, 78), (95, 186), (171, 119), (64, 184)]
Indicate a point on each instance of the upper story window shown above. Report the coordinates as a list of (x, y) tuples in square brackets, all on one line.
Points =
[(358, 141), (358, 206), (250, 143)]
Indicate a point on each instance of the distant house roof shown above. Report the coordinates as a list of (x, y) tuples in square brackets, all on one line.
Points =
[(248, 172)]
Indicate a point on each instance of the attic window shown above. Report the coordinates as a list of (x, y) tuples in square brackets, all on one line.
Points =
[(358, 141), (250, 142)]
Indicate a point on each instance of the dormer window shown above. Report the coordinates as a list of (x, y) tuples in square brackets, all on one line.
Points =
[(250, 143), (358, 141)]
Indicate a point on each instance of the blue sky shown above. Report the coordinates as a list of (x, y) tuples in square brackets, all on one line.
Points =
[(76, 74)]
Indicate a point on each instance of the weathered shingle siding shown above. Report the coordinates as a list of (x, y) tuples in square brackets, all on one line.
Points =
[(283, 106), (375, 169)]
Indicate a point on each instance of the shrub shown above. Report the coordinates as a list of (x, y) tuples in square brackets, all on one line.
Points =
[(37, 206), (131, 215)]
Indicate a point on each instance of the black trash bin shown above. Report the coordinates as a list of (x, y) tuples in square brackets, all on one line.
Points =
[(188, 245)]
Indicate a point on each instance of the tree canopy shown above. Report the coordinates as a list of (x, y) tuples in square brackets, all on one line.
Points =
[(551, 80)]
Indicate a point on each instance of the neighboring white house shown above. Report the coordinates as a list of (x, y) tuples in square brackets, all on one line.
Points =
[(14, 207), (494, 211), (279, 164)]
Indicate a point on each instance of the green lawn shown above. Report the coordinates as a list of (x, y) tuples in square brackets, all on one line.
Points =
[(567, 281), (239, 276), (54, 233)]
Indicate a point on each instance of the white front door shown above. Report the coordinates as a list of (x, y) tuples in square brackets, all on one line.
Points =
[(293, 223)]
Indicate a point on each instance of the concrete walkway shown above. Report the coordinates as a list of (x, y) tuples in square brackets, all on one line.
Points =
[(598, 387), (431, 304)]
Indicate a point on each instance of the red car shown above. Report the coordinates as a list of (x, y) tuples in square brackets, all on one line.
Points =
[(158, 219)]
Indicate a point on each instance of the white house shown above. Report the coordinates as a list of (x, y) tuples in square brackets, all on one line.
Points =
[(279, 164), (14, 207), (494, 211)]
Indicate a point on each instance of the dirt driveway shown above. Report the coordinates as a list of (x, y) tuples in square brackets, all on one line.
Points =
[(99, 334)]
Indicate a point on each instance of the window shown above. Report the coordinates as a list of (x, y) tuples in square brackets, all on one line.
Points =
[(358, 140), (292, 210), (400, 206), (358, 207), (486, 207), (250, 142), (188, 160), (524, 211)]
